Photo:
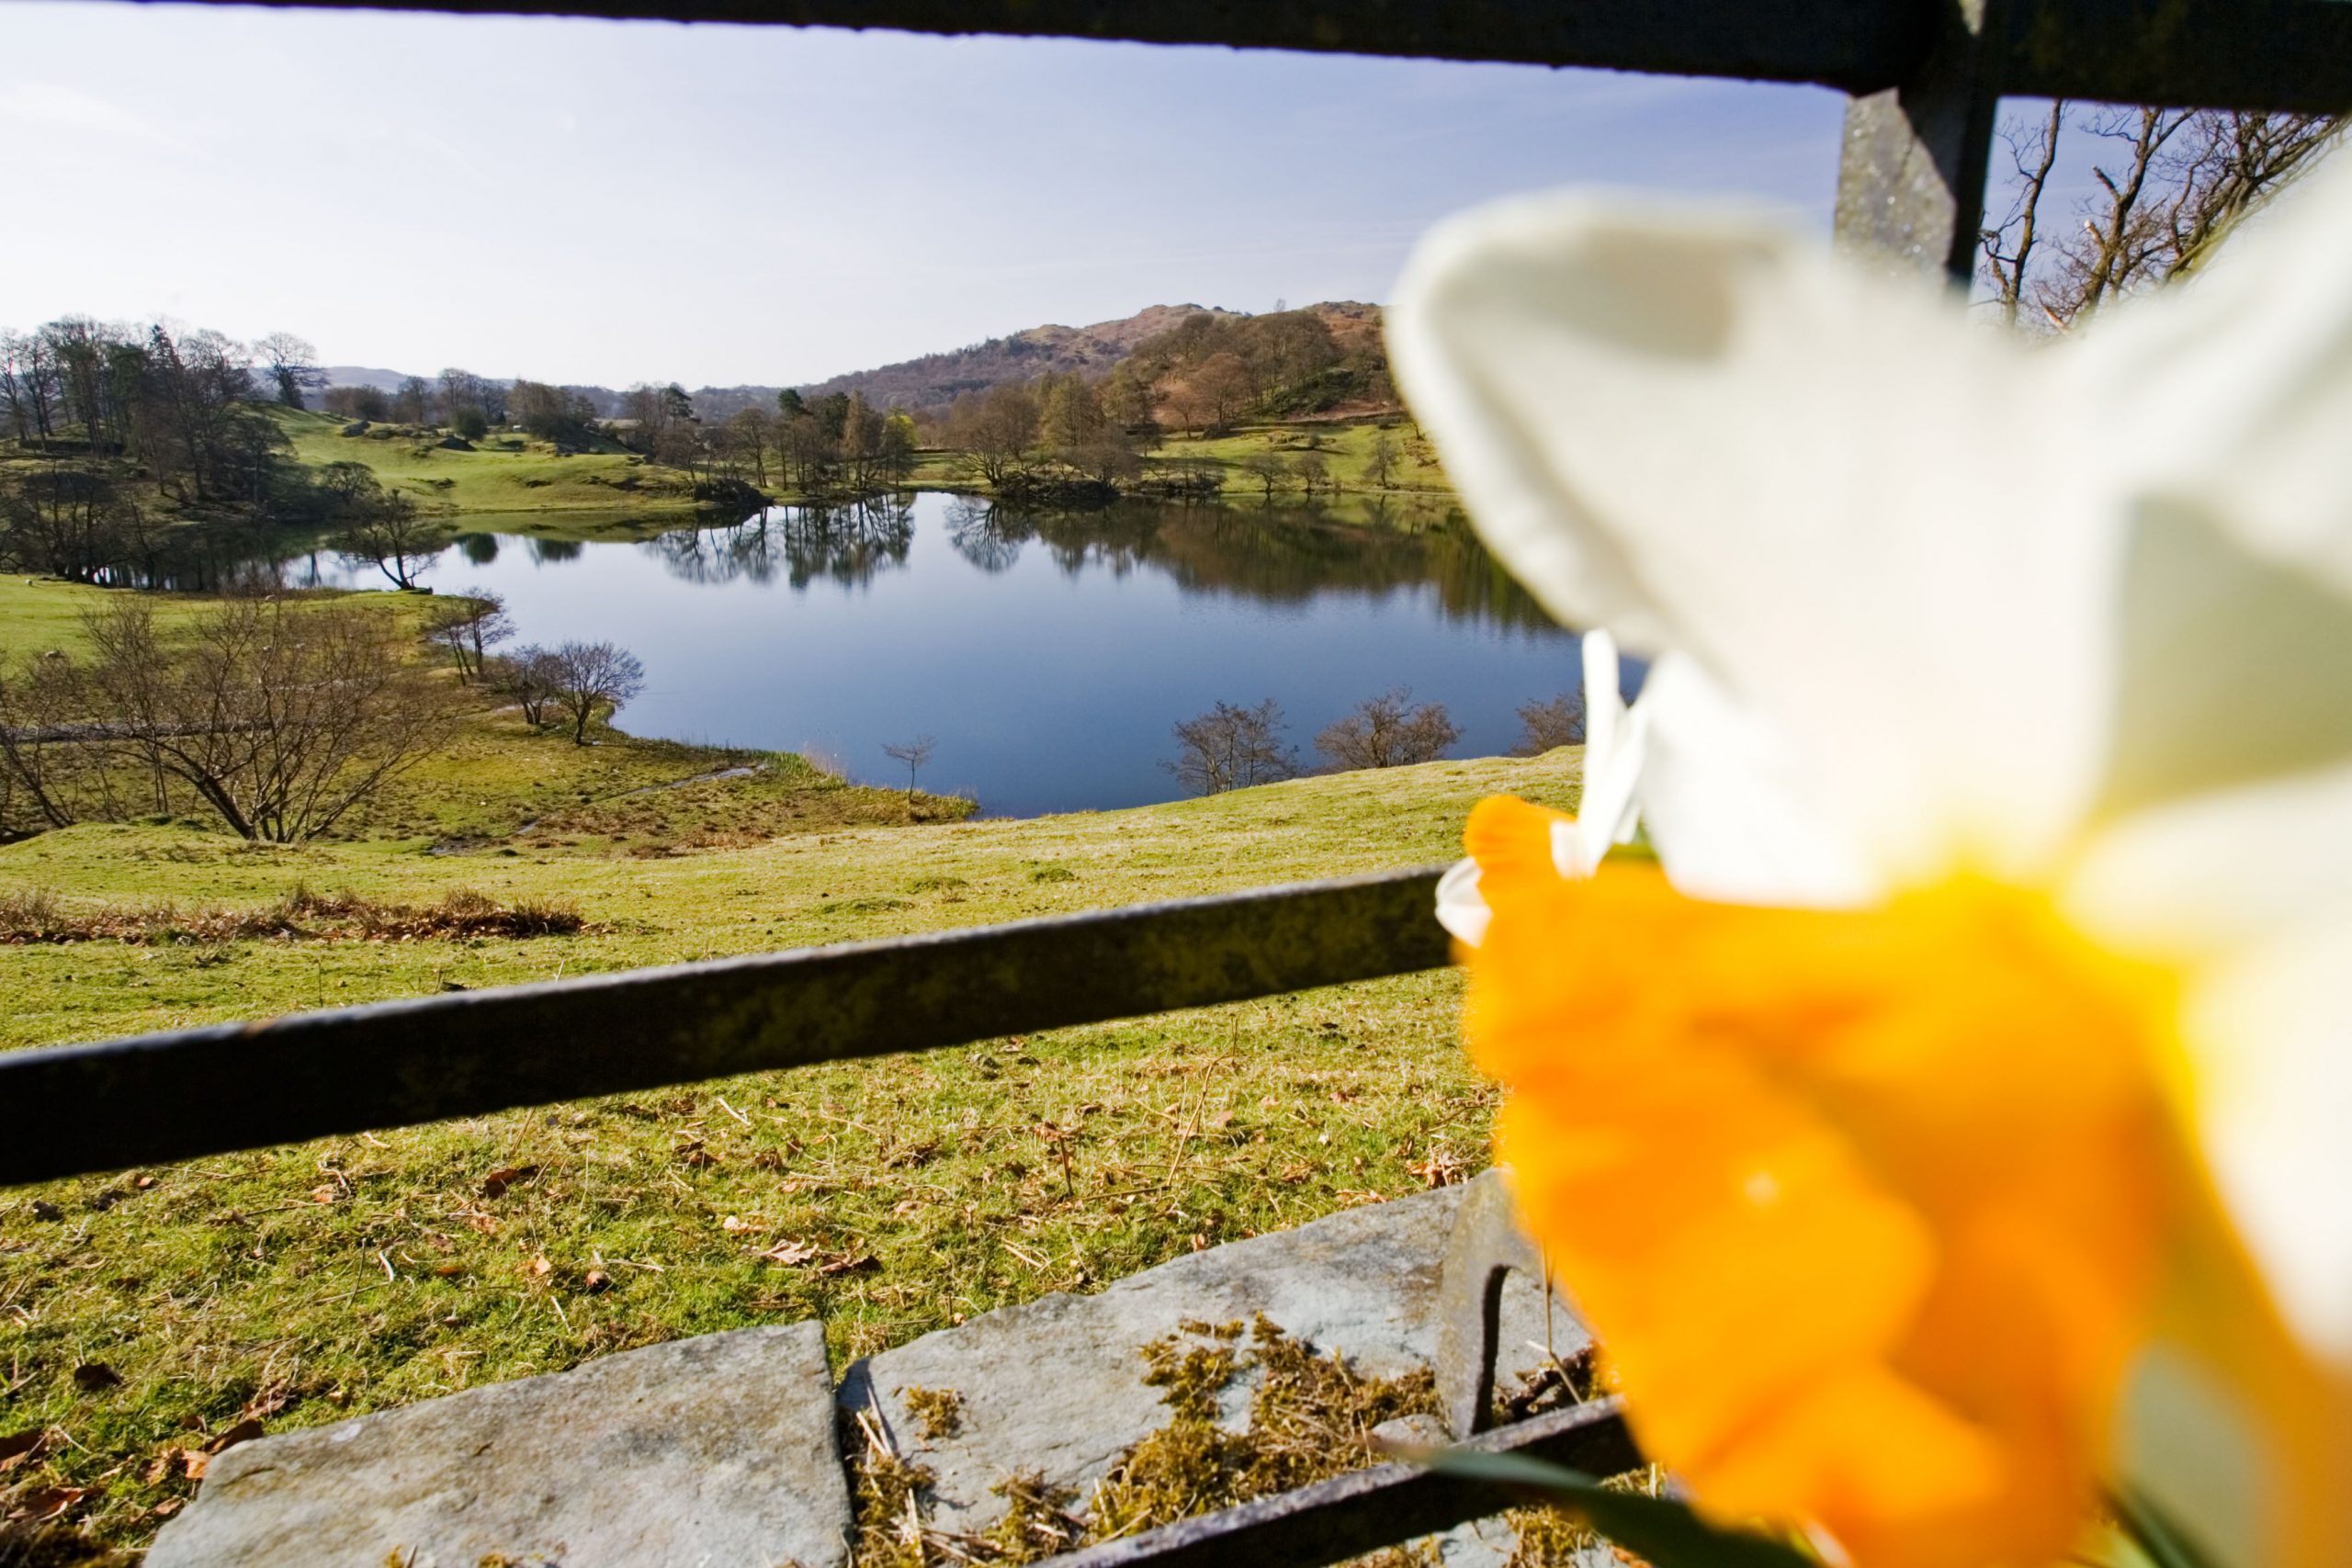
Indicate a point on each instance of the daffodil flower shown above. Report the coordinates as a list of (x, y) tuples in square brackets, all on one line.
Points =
[(1962, 1124)]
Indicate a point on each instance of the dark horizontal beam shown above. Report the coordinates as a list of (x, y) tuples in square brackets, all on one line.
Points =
[(1352, 1515), (2261, 54), (1857, 45), (72, 1109), (2245, 55)]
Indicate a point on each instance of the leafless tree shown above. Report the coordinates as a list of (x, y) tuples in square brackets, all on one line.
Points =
[(995, 430), (1266, 467), (1313, 473), (2170, 183), (589, 676), (389, 535), (914, 754), (278, 717), (1387, 731), (293, 367), (1550, 722), (1232, 748), (527, 675), (468, 625), (1380, 460)]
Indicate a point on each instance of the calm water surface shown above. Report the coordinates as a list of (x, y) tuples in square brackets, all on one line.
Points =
[(1048, 655)]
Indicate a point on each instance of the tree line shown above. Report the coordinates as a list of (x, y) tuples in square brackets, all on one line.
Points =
[(1233, 746)]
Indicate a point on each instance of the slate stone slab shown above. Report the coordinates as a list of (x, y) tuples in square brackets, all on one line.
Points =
[(712, 1453), (1057, 1385)]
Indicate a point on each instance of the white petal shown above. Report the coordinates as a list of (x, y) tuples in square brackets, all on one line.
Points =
[(2242, 378), (2270, 1032), (1461, 907), (1604, 702), (2249, 892), (1735, 817), (1847, 505)]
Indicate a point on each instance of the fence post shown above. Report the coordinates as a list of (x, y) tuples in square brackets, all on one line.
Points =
[(1911, 172)]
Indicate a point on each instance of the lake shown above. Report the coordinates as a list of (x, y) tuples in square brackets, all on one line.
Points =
[(1049, 654)]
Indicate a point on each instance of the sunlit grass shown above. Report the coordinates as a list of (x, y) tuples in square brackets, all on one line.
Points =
[(305, 1284)]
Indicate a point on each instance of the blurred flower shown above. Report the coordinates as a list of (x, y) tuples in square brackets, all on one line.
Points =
[(1960, 1120)]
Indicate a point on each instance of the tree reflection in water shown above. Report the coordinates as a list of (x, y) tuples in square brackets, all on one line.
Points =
[(847, 543)]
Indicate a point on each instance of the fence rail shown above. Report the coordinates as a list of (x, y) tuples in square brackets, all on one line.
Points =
[(74, 1108)]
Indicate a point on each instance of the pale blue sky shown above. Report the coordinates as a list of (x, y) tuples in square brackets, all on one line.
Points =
[(594, 201)]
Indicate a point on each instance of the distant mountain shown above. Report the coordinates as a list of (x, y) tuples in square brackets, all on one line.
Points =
[(937, 379), (364, 375)]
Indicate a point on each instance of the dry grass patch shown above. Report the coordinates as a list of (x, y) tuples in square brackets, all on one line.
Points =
[(35, 916)]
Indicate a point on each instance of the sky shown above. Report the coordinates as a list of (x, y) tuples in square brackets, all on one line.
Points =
[(608, 202)]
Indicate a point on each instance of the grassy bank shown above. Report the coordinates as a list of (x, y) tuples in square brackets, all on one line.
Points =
[(299, 1285), (506, 471)]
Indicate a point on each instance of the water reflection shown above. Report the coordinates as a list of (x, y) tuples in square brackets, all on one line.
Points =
[(1049, 652)]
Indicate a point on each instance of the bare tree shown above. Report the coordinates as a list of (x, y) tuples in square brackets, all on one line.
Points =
[(914, 754), (1550, 722), (587, 676), (389, 535), (1232, 748), (1266, 467), (2169, 185), (293, 367), (1387, 731), (468, 625), (1380, 462), (995, 430), (278, 716), (528, 675), (1314, 473)]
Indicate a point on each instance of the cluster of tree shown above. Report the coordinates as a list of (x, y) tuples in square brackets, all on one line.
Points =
[(1209, 370), (1059, 421), (178, 406), (276, 716), (573, 682), (469, 404), (1232, 746), (2169, 184)]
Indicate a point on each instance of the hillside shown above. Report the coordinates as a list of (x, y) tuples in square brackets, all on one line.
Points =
[(933, 380)]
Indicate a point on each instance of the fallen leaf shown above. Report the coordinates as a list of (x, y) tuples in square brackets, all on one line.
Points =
[(847, 1264), (47, 1504), (324, 1194), (168, 1506), (22, 1448), (448, 1271), (597, 1279), (737, 1222), (538, 1268), (790, 1252), (483, 1223), (495, 1184), (157, 1469), (242, 1432), (193, 1463), (95, 1377), (143, 1182)]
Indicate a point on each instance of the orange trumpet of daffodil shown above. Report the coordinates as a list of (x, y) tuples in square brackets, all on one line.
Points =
[(1957, 1120)]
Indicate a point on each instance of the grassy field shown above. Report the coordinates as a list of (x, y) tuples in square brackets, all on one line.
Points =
[(299, 1285), (506, 472)]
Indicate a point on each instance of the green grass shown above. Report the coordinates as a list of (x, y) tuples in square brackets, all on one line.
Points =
[(303, 1284), (38, 615), (506, 472)]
